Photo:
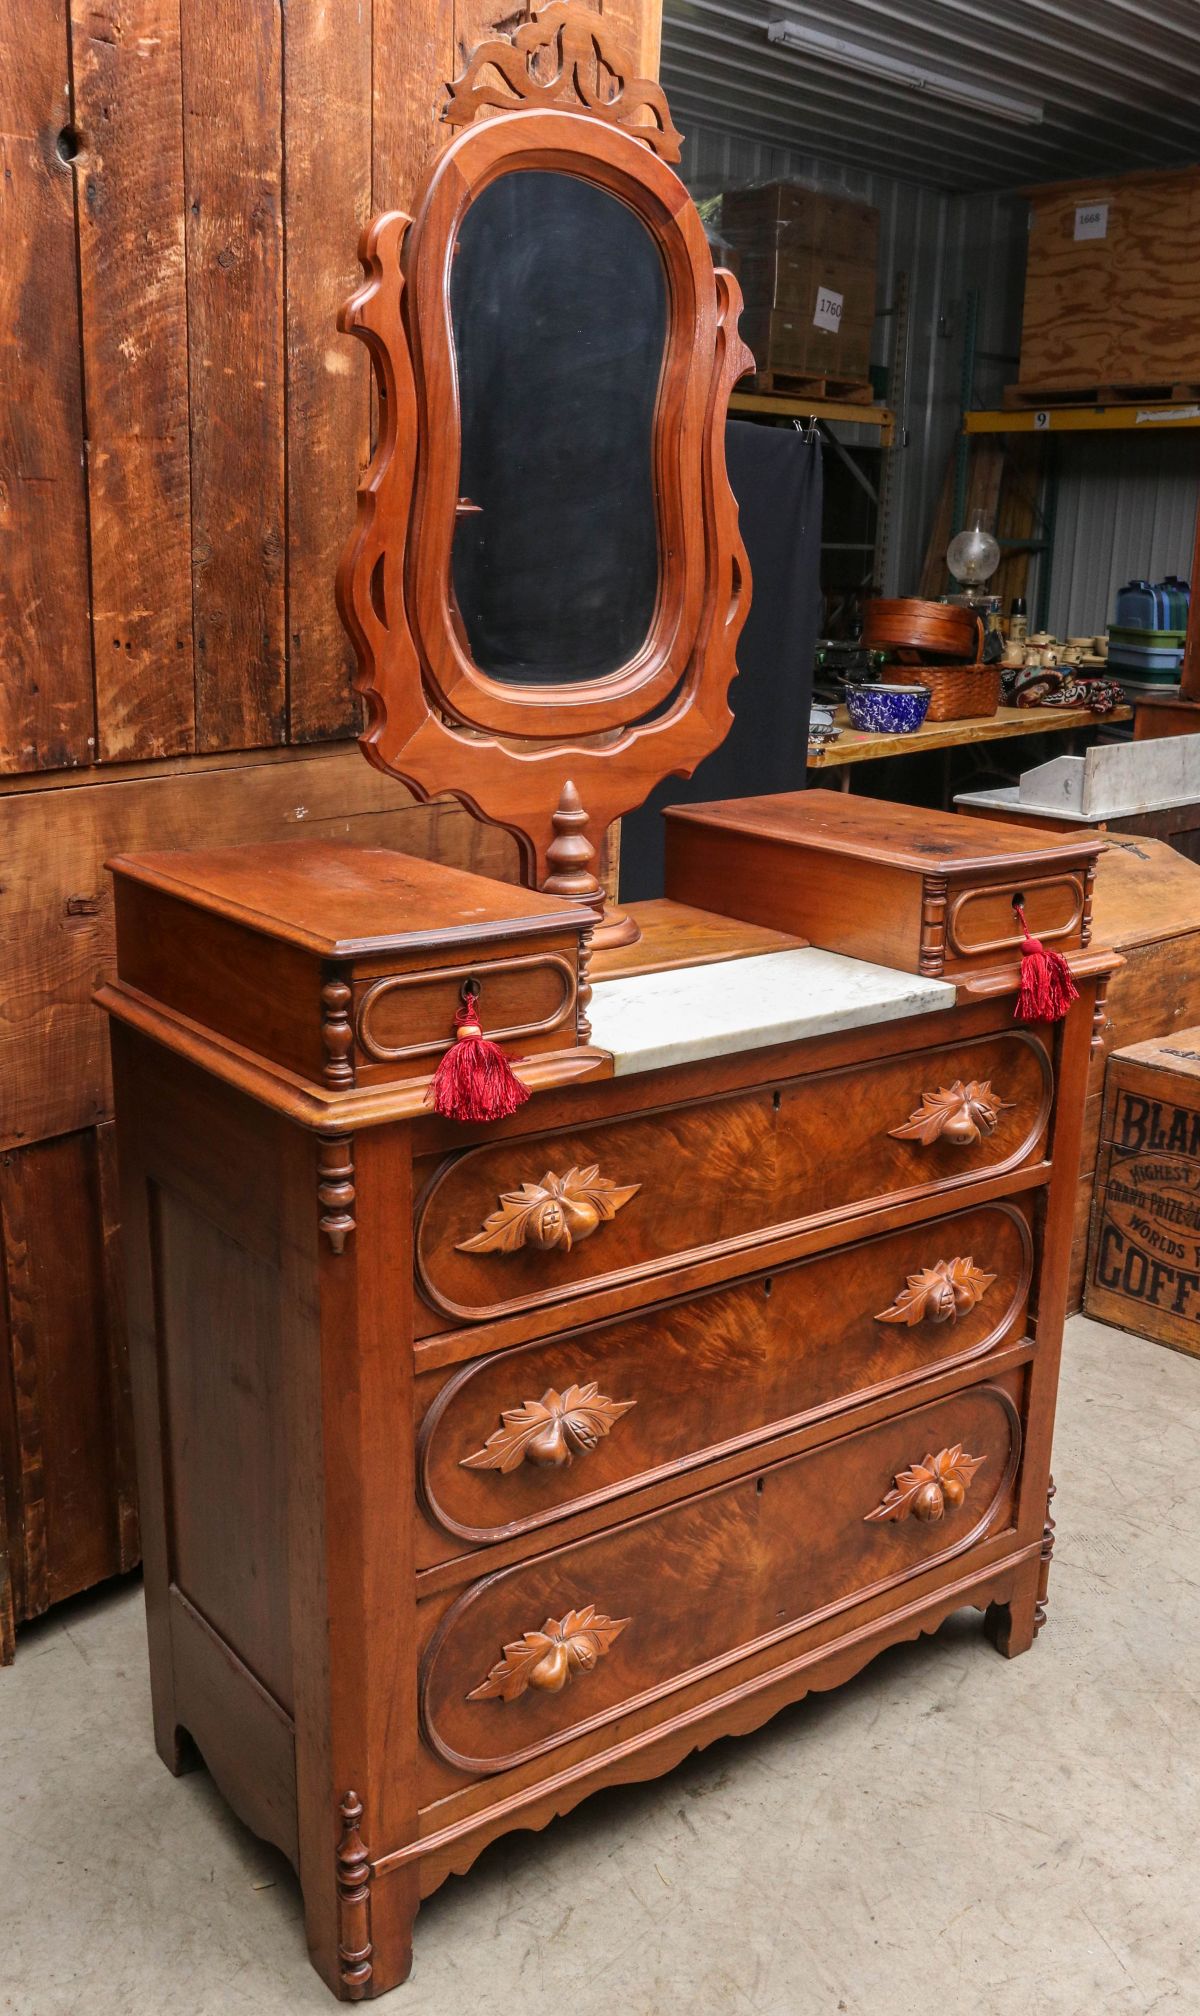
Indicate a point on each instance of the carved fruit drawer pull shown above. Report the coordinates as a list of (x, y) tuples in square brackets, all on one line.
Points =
[(551, 1431), (929, 1487), (942, 1293), (555, 1212), (546, 1659), (959, 1113)]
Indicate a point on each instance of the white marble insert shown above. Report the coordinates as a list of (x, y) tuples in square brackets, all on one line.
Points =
[(657, 1019)]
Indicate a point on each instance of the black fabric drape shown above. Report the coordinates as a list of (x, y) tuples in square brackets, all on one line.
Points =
[(776, 478)]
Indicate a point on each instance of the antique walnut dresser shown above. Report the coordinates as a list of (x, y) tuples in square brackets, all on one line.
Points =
[(486, 1462)]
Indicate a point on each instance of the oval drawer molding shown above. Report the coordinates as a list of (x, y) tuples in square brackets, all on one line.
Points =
[(712, 1373), (558, 1211), (549, 1432), (940, 1293), (720, 1176), (927, 1488), (982, 920), (722, 1576), (405, 1016), (960, 1113), (546, 1659)]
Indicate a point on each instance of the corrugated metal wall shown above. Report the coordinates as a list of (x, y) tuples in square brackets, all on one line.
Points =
[(1126, 503), (1126, 509), (1106, 85), (912, 240)]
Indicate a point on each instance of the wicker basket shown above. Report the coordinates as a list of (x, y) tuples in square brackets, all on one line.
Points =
[(960, 692)]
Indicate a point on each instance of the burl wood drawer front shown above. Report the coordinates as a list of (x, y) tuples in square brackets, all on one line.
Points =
[(517, 1440), (561, 1645), (529, 1222)]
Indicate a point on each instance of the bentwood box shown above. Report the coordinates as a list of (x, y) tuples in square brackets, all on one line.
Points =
[(345, 964), (1144, 1253), (935, 894)]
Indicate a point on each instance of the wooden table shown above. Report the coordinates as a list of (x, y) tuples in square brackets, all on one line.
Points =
[(1005, 723)]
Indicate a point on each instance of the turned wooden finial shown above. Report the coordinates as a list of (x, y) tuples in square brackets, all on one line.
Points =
[(570, 854), (569, 858), (353, 1877)]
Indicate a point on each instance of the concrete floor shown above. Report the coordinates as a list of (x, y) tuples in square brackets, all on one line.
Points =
[(949, 1833)]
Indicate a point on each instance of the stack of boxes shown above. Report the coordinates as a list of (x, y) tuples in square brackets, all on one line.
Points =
[(1146, 642), (806, 262)]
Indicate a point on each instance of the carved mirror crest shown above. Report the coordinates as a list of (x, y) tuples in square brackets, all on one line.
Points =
[(546, 584)]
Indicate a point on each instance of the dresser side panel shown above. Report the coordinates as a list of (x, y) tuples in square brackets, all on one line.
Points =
[(200, 1193), (792, 887), (252, 988)]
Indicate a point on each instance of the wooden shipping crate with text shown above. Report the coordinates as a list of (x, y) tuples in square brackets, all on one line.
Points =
[(1144, 1260)]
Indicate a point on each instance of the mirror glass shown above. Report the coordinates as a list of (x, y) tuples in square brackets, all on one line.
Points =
[(558, 302)]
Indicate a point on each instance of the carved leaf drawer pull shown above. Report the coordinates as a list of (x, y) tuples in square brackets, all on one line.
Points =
[(549, 1432), (959, 1113), (546, 1659), (929, 1487), (553, 1213), (942, 1293)]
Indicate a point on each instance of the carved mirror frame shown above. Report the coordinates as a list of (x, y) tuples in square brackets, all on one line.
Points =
[(548, 762)]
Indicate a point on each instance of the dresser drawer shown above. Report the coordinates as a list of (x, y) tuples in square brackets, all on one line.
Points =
[(525, 1222), (556, 1647), (523, 1438)]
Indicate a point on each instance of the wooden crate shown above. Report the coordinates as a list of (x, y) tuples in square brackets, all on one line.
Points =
[(1144, 1252), (1147, 908), (796, 248), (1112, 289)]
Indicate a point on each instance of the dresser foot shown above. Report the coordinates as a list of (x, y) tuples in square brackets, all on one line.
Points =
[(374, 1918), (1012, 1626), (178, 1751), (393, 1913)]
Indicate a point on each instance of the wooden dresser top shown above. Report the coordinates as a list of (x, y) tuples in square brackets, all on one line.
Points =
[(872, 830), (341, 901)]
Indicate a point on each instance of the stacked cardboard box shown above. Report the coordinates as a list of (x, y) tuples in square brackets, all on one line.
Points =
[(806, 262)]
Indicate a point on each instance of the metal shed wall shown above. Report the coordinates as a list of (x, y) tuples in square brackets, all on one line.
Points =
[(1116, 82), (1126, 503)]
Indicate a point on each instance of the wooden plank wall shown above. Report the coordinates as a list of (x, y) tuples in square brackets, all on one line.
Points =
[(181, 433)]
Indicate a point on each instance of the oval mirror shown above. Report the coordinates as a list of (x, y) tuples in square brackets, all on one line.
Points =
[(558, 304)]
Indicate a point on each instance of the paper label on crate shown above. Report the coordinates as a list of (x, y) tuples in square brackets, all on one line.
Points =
[(829, 311), (1091, 220)]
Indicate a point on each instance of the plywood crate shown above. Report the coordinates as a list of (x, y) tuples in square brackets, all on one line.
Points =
[(805, 261), (1144, 1252), (1112, 288)]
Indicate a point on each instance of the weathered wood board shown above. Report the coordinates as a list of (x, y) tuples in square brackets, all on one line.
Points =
[(181, 426), (47, 717)]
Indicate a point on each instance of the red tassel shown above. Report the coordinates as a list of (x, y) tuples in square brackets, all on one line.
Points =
[(474, 1080), (1047, 986)]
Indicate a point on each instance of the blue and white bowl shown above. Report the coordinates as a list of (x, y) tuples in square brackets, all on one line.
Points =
[(881, 709)]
